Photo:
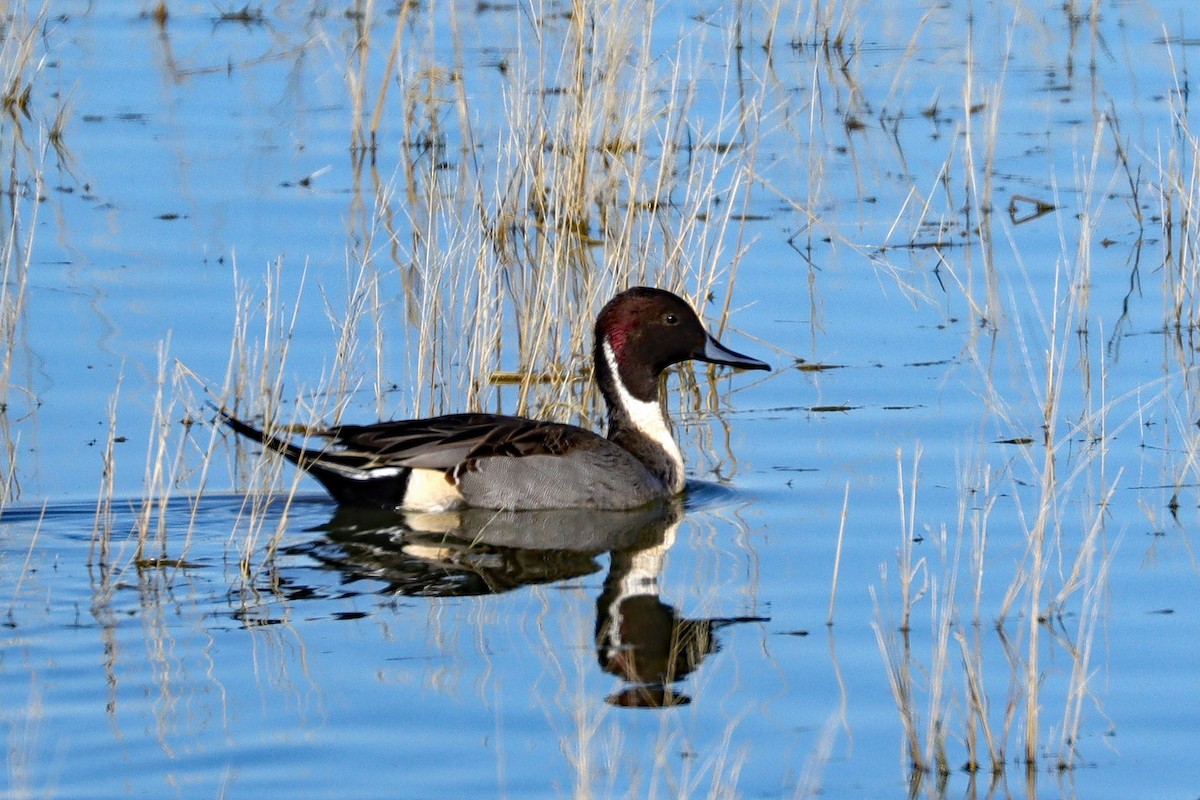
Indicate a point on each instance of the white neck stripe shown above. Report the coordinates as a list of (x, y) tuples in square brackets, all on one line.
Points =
[(647, 416)]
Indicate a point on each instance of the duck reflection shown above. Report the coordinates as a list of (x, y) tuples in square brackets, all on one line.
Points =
[(639, 639), (642, 640)]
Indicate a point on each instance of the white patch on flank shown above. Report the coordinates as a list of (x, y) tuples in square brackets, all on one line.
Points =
[(648, 417), (369, 474), (428, 490)]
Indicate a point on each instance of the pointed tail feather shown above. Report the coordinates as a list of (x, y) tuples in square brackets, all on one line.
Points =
[(297, 455), (347, 482)]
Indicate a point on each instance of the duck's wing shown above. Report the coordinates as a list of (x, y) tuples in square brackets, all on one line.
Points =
[(451, 441), (442, 443)]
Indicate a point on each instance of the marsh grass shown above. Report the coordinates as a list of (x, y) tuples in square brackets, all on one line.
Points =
[(180, 453), (15, 254), (603, 176), (20, 61), (23, 187), (1061, 576), (1061, 487), (968, 698)]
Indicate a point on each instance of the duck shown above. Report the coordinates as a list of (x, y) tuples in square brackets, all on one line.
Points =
[(512, 463)]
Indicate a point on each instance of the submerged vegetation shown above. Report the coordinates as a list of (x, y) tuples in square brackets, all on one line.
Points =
[(494, 193)]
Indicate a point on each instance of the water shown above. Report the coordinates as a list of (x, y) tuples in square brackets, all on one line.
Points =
[(301, 652)]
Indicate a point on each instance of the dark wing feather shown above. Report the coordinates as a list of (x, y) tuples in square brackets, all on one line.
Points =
[(450, 441)]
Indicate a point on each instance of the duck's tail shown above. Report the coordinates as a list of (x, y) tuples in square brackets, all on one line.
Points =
[(340, 473), (301, 457)]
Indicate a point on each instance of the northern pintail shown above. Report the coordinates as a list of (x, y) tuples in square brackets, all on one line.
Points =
[(515, 463)]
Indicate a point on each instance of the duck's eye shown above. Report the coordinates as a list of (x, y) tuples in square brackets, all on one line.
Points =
[(671, 319)]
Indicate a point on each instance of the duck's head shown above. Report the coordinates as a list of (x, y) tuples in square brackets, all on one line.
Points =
[(644, 330)]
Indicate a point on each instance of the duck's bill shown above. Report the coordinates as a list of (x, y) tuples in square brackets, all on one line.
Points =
[(717, 353)]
